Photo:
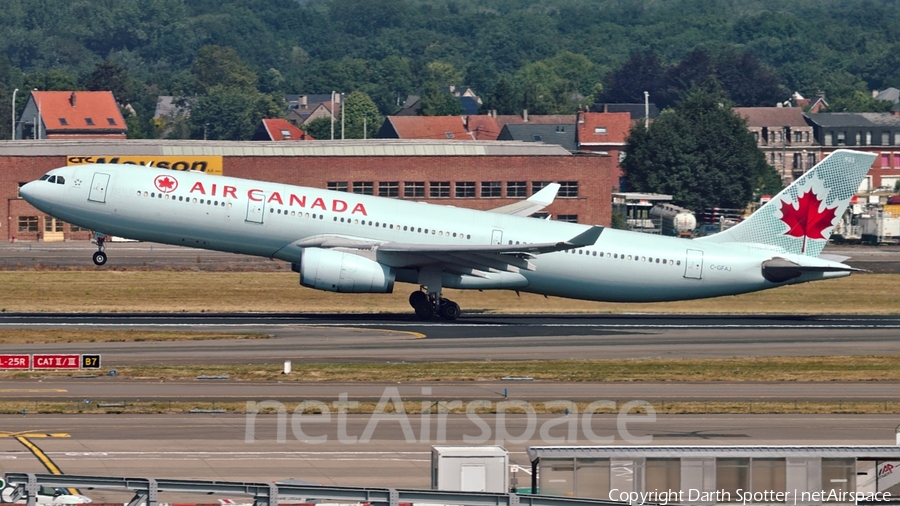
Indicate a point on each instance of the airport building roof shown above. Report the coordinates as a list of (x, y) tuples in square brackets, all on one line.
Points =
[(767, 451), (370, 147)]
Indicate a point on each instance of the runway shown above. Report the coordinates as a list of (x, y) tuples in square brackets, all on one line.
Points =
[(378, 338)]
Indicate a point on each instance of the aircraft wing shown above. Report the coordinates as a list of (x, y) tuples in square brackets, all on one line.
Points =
[(532, 204), (465, 259)]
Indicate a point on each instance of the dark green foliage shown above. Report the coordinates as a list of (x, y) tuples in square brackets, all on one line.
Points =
[(537, 54), (438, 102), (320, 128), (701, 153)]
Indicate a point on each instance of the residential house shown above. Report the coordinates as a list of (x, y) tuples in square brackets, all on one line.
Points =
[(303, 108), (605, 133), (424, 127), (71, 115), (276, 129), (483, 127), (785, 138), (562, 134), (469, 101), (873, 132)]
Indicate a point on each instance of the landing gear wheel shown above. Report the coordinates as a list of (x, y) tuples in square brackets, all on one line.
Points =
[(425, 310), (417, 299), (449, 310), (99, 258)]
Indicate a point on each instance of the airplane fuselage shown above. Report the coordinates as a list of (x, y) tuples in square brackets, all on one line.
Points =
[(268, 219)]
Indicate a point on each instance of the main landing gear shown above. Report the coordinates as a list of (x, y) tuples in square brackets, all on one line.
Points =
[(429, 305), (429, 302), (99, 255)]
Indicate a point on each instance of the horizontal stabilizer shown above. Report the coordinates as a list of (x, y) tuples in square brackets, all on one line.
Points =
[(779, 269)]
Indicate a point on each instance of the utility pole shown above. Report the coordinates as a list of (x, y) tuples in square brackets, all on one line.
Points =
[(332, 114), (13, 137), (342, 116)]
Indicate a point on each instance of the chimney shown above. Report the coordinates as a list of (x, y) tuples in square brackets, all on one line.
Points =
[(525, 115), (874, 93), (303, 103), (72, 99)]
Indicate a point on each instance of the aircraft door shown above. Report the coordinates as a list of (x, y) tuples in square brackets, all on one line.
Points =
[(693, 266), (497, 237), (256, 209), (98, 188)]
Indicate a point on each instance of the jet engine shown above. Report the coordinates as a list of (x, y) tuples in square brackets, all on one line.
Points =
[(337, 271)]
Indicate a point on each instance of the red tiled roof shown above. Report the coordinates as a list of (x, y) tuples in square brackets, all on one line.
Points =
[(277, 127), (772, 116), (483, 127), (610, 128), (430, 127), (83, 111)]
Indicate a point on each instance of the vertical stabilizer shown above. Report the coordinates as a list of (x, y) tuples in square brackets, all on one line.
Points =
[(801, 218)]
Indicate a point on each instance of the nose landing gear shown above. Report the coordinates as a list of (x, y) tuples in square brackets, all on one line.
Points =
[(99, 256)]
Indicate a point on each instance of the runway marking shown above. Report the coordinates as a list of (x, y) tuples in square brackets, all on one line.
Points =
[(389, 327), (32, 390), (41, 456)]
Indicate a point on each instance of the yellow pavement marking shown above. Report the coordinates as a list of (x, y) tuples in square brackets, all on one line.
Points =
[(48, 463)]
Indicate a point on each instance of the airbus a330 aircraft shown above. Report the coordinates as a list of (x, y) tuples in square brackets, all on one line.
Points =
[(344, 242)]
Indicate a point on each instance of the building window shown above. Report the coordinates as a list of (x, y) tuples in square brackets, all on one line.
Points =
[(885, 160), (465, 189), (732, 475), (28, 224), (662, 475), (338, 186), (541, 216), (76, 228), (363, 187), (19, 190), (857, 139), (112, 122), (414, 189), (885, 138), (756, 137), (52, 224), (600, 130), (798, 136), (798, 161), (537, 138), (896, 138), (63, 122), (389, 189), (516, 189), (439, 190), (829, 139), (491, 189), (570, 218), (768, 475), (449, 135), (897, 160), (810, 160), (89, 121), (838, 476), (537, 186), (568, 189)]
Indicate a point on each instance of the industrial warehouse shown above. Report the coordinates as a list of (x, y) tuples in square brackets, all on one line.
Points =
[(478, 175)]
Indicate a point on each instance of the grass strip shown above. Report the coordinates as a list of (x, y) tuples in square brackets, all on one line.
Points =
[(166, 291), (761, 369), (50, 336)]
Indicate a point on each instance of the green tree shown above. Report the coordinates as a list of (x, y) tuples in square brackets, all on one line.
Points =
[(221, 66), (858, 101), (437, 102), (110, 76), (701, 153), (359, 111), (319, 128), (51, 80), (229, 113)]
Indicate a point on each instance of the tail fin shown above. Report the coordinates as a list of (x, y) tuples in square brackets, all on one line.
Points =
[(801, 218)]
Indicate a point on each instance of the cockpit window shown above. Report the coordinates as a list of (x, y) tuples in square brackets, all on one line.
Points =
[(52, 179), (60, 180), (45, 177)]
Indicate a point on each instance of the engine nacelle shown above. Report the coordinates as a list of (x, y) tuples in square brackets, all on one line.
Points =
[(337, 271)]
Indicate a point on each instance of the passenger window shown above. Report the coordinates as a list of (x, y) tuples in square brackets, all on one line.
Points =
[(195, 201), (468, 236)]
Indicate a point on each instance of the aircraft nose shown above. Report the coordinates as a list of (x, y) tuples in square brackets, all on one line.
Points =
[(27, 191)]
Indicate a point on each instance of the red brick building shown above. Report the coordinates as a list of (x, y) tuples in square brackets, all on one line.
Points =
[(472, 174)]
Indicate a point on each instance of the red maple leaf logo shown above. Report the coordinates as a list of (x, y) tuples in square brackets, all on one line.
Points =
[(806, 221), (165, 184)]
